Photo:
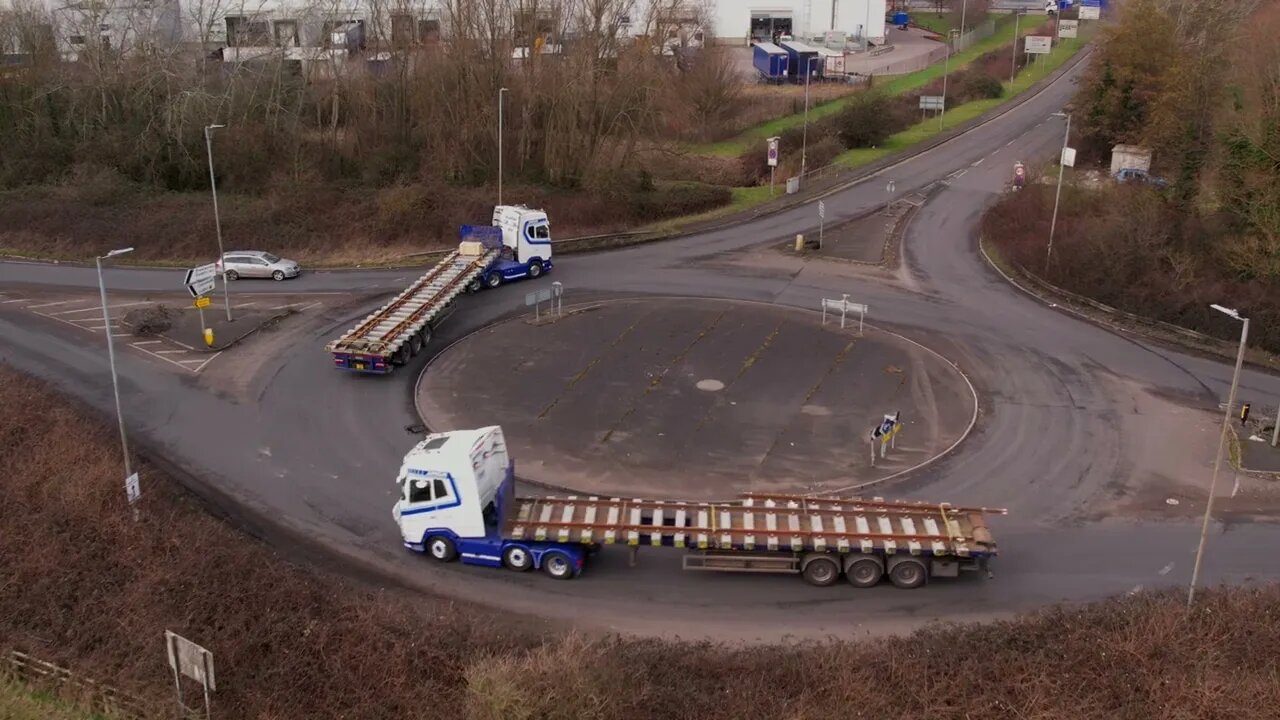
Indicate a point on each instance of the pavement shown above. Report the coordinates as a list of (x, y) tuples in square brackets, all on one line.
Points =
[(706, 399), (314, 452)]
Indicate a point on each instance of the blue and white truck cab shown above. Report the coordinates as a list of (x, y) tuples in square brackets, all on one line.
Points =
[(455, 489), (526, 244)]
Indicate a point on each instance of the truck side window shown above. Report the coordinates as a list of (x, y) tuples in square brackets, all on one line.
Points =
[(542, 232), (440, 491), (420, 490)]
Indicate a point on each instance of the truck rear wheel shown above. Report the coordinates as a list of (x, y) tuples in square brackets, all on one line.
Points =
[(475, 285), (441, 548), (864, 573), (517, 558), (821, 571), (908, 574), (557, 565)]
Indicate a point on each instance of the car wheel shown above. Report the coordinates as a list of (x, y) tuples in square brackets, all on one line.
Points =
[(278, 275), (441, 548), (233, 275), (557, 565)]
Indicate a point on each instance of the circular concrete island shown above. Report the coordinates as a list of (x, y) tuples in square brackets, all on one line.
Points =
[(697, 399)]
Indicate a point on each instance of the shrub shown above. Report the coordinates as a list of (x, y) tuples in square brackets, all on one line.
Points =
[(976, 85), (679, 198), (868, 120)]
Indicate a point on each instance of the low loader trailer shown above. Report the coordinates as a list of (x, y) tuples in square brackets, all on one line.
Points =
[(517, 245), (457, 501)]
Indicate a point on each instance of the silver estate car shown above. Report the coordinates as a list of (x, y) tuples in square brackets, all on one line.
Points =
[(258, 264)]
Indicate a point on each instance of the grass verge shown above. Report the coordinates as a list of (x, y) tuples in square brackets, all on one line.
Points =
[(88, 587), (20, 702)]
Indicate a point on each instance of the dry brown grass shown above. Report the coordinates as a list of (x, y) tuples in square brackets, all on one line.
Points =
[(85, 586)]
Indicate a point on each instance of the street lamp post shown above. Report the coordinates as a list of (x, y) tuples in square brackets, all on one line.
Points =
[(946, 71), (500, 94), (217, 220), (804, 135), (1222, 442), (1013, 72), (111, 355), (1053, 222)]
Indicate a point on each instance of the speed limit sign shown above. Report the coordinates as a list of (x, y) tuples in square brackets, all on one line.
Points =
[(773, 152)]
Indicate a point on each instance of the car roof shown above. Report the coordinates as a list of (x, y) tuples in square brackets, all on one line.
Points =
[(247, 252)]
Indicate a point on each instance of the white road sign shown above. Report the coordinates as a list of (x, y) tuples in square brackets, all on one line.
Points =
[(822, 210), (773, 152), (1090, 13), (131, 488), (203, 287), (1068, 157), (1038, 44), (190, 659), (1068, 28)]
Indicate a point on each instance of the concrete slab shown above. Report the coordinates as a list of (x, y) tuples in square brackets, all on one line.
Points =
[(696, 398)]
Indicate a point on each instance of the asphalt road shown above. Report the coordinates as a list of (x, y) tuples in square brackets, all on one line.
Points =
[(316, 451)]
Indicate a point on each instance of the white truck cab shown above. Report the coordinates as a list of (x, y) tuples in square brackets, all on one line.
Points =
[(451, 483), (527, 232)]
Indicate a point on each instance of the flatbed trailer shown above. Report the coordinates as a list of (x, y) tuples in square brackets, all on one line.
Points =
[(472, 512)]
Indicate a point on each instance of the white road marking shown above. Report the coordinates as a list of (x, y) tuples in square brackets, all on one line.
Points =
[(1165, 570), (97, 308), (305, 308), (146, 342), (251, 304), (979, 162), (60, 302), (74, 320), (198, 360), (206, 362), (1010, 143), (167, 352), (6, 302), (1236, 487)]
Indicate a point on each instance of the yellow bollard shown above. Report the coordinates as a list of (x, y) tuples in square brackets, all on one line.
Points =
[(799, 242), (208, 337)]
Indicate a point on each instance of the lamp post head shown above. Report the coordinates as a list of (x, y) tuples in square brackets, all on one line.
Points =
[(1232, 312), (121, 251), (214, 127)]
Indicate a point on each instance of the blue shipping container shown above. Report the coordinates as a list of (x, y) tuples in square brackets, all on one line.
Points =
[(770, 60), (803, 60)]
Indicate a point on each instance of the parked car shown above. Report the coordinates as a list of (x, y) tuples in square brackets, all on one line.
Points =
[(258, 264)]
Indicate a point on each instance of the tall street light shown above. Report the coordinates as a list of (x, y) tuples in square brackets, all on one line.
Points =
[(1222, 442), (111, 355), (217, 220), (946, 72), (501, 91), (1013, 73), (1062, 164), (804, 135)]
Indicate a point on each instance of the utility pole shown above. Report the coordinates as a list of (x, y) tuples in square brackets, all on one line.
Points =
[(111, 356), (500, 118), (804, 135), (1013, 71), (217, 220), (946, 71), (1053, 223), (1222, 442)]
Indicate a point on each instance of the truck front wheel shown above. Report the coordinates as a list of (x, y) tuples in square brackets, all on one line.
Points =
[(517, 558), (493, 280), (442, 548), (821, 571), (908, 574), (557, 565), (535, 268)]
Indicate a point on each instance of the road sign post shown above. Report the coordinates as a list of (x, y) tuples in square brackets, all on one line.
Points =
[(822, 219), (844, 307), (772, 156), (200, 282), (188, 658)]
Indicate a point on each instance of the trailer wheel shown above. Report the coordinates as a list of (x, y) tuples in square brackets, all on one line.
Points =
[(426, 335), (415, 344), (864, 573), (493, 279), (908, 574), (401, 356), (474, 285), (821, 571), (535, 268), (441, 548), (557, 565), (517, 558)]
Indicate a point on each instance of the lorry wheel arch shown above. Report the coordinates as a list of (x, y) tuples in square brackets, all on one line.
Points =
[(907, 572), (819, 569), (863, 570), (557, 564), (441, 548), (517, 557)]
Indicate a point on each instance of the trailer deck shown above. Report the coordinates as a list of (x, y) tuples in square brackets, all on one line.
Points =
[(761, 522)]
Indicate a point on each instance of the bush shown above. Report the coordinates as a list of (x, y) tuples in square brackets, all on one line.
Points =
[(868, 120), (975, 85), (674, 199)]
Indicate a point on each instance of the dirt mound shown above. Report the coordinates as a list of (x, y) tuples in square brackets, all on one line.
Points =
[(150, 320)]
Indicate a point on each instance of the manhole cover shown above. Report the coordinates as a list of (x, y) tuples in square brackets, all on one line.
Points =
[(710, 385)]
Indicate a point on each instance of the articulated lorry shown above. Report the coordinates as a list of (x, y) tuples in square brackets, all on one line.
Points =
[(457, 501), (517, 245)]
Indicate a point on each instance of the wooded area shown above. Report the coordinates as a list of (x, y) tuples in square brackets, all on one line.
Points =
[(1197, 82)]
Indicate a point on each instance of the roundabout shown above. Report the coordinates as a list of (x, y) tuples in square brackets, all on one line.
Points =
[(697, 399)]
